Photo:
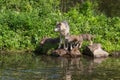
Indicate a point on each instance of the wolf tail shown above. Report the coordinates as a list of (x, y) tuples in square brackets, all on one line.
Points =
[(93, 36)]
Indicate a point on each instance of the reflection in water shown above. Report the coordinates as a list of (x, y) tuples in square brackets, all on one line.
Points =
[(76, 66), (69, 66), (52, 68)]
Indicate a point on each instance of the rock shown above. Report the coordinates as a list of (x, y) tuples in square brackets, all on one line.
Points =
[(46, 45), (65, 53), (48, 40), (75, 52), (60, 52), (95, 50), (49, 46), (115, 54)]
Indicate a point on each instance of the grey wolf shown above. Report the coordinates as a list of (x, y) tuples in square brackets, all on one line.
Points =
[(88, 37), (64, 31), (76, 41)]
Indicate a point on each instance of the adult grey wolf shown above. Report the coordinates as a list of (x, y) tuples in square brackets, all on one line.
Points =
[(64, 30)]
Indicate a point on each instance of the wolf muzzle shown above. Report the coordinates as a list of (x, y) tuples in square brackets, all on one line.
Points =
[(56, 29)]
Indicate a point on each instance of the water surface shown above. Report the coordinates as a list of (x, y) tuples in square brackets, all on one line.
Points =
[(59, 68)]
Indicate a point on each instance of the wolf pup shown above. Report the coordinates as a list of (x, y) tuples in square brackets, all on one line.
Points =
[(74, 41), (64, 30), (88, 37), (84, 37)]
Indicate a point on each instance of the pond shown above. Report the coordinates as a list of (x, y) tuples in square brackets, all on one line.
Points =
[(59, 68)]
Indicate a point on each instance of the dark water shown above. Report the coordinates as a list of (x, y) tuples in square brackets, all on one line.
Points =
[(59, 68)]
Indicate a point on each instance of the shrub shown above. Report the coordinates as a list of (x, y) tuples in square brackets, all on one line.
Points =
[(24, 23)]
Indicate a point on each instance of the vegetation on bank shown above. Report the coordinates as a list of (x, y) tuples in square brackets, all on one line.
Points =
[(23, 23)]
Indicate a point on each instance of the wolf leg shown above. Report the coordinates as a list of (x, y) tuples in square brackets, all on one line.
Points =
[(60, 42), (80, 45), (91, 42), (65, 45)]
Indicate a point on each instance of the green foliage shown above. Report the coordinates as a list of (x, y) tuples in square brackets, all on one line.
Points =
[(23, 23)]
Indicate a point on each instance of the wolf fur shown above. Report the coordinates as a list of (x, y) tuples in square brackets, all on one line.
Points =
[(64, 31), (76, 41), (88, 37)]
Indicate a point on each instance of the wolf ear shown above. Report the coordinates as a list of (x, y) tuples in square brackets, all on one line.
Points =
[(57, 22)]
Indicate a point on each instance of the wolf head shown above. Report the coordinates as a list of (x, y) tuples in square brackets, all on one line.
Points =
[(62, 27)]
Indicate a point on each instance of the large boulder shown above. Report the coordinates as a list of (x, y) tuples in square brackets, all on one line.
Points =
[(47, 45), (95, 50)]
